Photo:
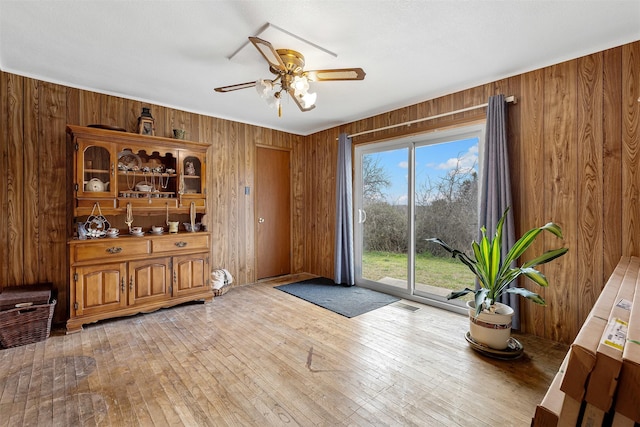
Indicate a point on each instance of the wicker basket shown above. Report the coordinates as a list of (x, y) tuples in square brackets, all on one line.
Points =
[(25, 325), (221, 291), (36, 294)]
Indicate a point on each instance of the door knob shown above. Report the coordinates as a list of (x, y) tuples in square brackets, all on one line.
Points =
[(260, 220)]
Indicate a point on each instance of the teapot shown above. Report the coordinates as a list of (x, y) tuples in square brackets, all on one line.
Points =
[(94, 184)]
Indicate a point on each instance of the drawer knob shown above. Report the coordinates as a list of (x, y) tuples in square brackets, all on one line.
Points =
[(114, 250), (181, 244)]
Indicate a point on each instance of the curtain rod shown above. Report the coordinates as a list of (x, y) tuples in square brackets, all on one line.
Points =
[(510, 99)]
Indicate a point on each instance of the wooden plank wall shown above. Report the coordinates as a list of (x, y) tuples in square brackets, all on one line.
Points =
[(575, 153), (574, 145), (36, 217)]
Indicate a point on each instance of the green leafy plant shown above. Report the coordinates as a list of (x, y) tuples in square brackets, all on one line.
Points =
[(494, 274)]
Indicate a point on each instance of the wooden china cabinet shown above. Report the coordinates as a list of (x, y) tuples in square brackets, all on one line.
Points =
[(123, 180)]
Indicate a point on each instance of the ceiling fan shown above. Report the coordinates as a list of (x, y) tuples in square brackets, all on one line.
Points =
[(288, 66)]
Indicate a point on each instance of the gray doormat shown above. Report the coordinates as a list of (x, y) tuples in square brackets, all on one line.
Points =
[(349, 301)]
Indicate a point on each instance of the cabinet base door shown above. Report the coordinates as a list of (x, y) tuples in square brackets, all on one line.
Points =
[(149, 280), (100, 289), (191, 274)]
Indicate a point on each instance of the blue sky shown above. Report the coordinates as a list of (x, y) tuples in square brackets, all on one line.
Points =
[(433, 161)]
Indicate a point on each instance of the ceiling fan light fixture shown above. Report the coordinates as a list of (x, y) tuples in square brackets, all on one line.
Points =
[(273, 101), (308, 100), (264, 87), (290, 77), (300, 85)]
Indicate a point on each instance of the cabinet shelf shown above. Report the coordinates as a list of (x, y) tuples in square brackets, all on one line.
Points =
[(147, 174), (133, 194)]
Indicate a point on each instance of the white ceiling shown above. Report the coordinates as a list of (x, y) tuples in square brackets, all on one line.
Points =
[(174, 53)]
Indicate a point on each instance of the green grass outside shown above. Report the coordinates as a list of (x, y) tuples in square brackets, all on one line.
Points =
[(445, 273)]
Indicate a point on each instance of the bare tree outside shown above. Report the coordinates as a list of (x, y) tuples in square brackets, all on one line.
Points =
[(448, 209), (386, 228), (374, 180)]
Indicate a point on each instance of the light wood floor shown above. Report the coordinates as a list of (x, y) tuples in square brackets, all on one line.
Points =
[(260, 357)]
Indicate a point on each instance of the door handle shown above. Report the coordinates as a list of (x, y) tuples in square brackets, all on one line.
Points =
[(362, 216), (260, 220)]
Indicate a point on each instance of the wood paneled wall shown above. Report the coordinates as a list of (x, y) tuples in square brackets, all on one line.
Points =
[(36, 218), (574, 148)]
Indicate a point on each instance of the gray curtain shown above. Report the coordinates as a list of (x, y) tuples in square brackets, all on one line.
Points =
[(344, 262), (496, 186)]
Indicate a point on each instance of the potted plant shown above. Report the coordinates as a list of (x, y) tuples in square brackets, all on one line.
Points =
[(494, 274)]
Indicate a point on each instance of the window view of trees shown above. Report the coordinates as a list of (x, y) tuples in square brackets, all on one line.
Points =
[(446, 206), (386, 228), (448, 209)]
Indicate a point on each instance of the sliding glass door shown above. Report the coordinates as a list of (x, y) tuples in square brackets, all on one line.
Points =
[(383, 217), (406, 191)]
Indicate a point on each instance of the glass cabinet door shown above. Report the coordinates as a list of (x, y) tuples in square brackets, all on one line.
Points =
[(95, 169), (191, 176)]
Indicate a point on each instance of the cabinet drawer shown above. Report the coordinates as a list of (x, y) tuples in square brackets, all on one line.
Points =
[(111, 248), (197, 199), (180, 242)]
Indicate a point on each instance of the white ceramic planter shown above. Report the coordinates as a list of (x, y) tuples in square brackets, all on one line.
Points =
[(491, 329)]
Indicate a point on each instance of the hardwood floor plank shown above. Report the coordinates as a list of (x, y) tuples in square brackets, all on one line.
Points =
[(260, 357)]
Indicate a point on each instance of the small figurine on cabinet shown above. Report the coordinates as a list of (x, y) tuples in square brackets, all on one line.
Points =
[(146, 123), (189, 169)]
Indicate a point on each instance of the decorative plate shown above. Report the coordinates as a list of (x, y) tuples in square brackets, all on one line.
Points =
[(129, 160), (96, 226), (513, 351)]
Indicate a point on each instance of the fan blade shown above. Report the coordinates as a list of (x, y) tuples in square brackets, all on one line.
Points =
[(269, 53), (335, 74), (299, 102), (235, 87)]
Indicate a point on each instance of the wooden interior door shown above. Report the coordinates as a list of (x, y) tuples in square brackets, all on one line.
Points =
[(273, 212)]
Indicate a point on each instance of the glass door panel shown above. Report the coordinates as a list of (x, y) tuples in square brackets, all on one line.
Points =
[(446, 207), (382, 218)]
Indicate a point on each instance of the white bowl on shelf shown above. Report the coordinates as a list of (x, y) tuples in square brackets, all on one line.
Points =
[(142, 186)]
